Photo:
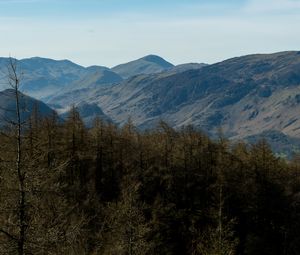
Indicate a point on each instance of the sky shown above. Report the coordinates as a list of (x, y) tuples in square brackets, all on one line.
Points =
[(110, 32)]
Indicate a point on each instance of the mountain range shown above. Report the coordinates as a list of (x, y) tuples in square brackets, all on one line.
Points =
[(248, 97)]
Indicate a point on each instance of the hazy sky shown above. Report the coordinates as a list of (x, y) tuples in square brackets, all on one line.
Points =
[(108, 32)]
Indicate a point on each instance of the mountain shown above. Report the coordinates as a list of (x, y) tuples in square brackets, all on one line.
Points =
[(245, 96), (42, 77), (27, 105), (146, 65)]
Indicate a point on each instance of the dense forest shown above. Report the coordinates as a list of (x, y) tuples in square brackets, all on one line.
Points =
[(68, 189)]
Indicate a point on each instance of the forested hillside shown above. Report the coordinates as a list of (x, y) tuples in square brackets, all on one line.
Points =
[(109, 190)]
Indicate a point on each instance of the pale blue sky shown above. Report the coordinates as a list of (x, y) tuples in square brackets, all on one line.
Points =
[(108, 32)]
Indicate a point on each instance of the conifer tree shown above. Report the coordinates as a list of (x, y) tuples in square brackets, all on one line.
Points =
[(128, 229)]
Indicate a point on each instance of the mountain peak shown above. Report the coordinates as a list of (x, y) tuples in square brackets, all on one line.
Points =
[(157, 60), (145, 65)]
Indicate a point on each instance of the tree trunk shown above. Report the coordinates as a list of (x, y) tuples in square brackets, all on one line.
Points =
[(14, 81)]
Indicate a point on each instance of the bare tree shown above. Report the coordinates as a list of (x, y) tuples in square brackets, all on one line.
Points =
[(18, 233), (14, 82)]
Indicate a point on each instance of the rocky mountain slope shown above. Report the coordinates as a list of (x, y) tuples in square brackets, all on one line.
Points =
[(86, 87)]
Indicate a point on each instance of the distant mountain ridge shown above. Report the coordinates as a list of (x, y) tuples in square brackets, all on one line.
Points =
[(45, 79), (42, 77)]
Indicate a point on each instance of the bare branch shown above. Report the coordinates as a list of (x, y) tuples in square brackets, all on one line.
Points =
[(8, 235)]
